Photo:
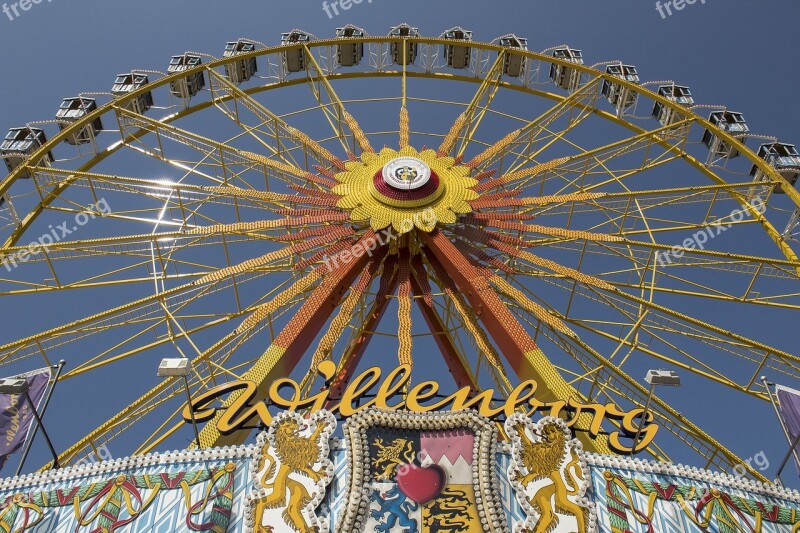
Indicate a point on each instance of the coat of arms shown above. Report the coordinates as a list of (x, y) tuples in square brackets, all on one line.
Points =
[(421, 473), (548, 475), (292, 473)]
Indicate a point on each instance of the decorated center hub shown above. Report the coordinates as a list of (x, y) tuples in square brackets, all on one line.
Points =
[(405, 189), (406, 182)]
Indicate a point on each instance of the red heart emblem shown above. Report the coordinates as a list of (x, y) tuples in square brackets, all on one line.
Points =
[(421, 484)]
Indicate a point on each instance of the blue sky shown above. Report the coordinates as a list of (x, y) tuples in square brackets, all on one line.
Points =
[(734, 52)]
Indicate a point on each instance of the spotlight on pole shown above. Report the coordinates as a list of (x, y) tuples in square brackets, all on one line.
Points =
[(179, 367), (655, 378), (663, 377)]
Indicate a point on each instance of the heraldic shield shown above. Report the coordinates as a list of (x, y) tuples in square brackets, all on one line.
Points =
[(549, 476), (291, 474), (420, 473)]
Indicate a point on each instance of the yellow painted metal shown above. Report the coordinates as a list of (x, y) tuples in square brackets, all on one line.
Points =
[(366, 204), (467, 124), (772, 175), (490, 85), (342, 115)]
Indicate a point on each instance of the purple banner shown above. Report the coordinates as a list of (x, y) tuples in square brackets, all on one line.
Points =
[(789, 401), (16, 417)]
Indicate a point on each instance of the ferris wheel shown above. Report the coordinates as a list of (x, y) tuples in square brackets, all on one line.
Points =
[(521, 213)]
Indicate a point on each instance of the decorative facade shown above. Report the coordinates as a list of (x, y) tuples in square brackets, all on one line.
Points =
[(395, 472)]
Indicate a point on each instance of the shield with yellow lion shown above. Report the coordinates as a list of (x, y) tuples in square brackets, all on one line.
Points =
[(549, 476), (292, 472)]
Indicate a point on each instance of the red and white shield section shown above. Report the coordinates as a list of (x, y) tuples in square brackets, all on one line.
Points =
[(452, 451)]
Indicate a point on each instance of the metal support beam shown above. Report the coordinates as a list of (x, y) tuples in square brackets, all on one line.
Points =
[(458, 367), (352, 357), (525, 357), (292, 343)]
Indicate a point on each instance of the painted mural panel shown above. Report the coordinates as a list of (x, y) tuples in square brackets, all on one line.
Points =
[(637, 497), (186, 491)]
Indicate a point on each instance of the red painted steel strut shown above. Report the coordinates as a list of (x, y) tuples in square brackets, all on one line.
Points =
[(294, 340)]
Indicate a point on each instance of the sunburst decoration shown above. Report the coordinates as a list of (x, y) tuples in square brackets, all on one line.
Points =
[(461, 226), (369, 197), (433, 199)]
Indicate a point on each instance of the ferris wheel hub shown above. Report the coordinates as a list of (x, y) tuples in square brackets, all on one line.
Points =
[(406, 173), (405, 189), (406, 182)]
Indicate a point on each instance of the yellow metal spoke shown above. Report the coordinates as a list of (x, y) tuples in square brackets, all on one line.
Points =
[(212, 279), (281, 129), (611, 376), (758, 355), (215, 356), (530, 133), (342, 319), (583, 164), (161, 188), (405, 132), (466, 125), (541, 134), (218, 163), (342, 118), (466, 315), (595, 227)]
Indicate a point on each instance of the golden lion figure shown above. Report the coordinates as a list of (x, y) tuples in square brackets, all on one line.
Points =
[(543, 460), (390, 456), (290, 454)]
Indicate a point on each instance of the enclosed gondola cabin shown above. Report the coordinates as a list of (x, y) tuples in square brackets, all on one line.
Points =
[(294, 60), (74, 109), (564, 76), (674, 93), (458, 55), (784, 158), (410, 55), (191, 84), (240, 71), (20, 144), (618, 95), (729, 122), (349, 54), (514, 64), (399, 57), (127, 83)]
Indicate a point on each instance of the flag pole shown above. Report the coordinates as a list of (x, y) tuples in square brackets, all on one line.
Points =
[(44, 431), (59, 367), (788, 456), (792, 442)]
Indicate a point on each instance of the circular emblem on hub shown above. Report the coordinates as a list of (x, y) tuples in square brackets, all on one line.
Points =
[(406, 173), (394, 187)]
